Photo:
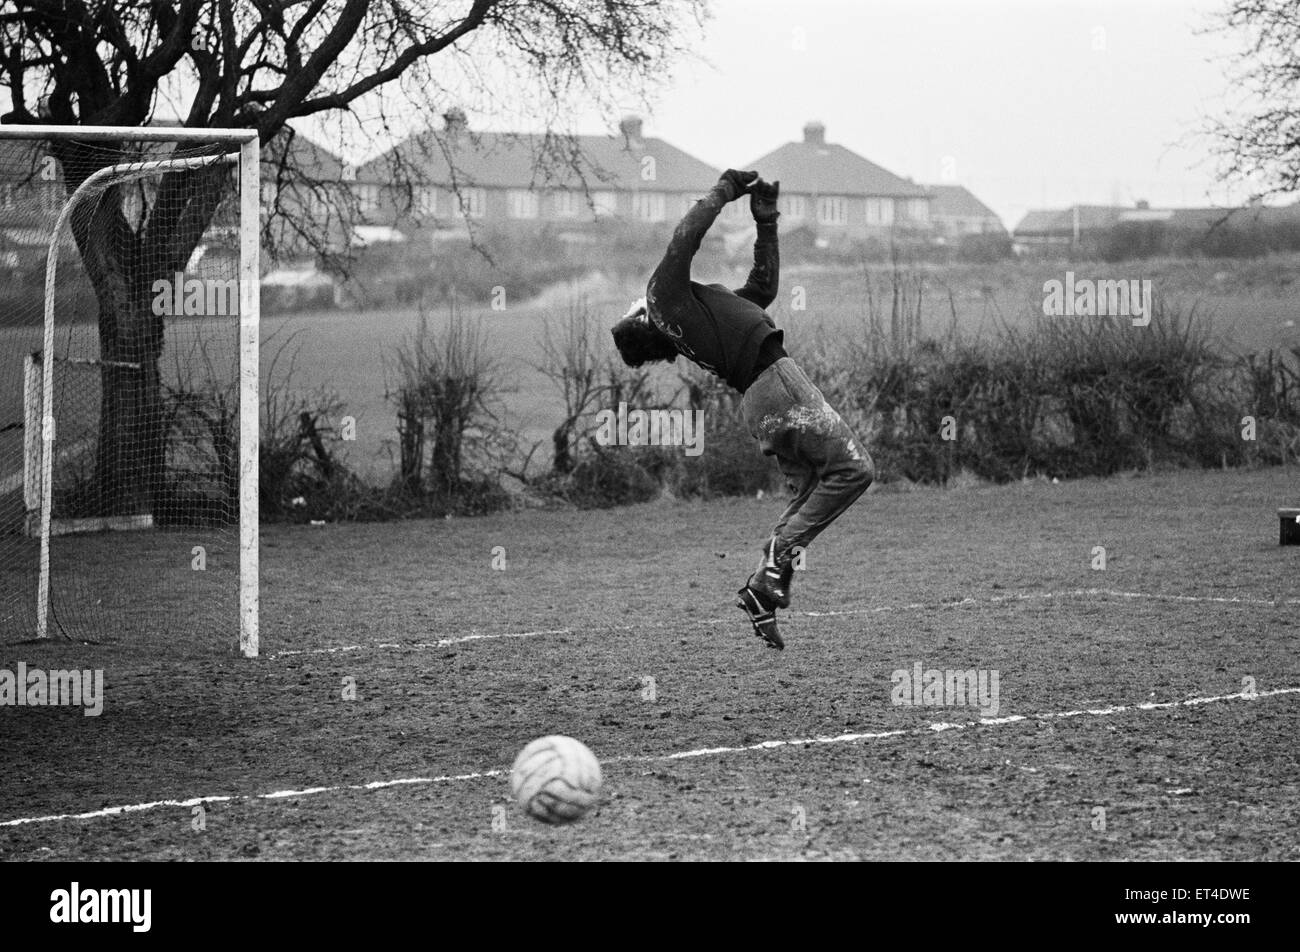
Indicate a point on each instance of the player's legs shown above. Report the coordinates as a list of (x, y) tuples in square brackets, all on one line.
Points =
[(774, 563), (800, 479), (844, 471), (825, 465)]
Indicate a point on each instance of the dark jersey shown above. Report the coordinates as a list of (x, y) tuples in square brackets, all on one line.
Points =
[(723, 331)]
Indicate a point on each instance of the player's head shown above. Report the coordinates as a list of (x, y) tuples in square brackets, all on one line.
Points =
[(639, 341)]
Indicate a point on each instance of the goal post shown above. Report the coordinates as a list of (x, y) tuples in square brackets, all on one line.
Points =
[(138, 406)]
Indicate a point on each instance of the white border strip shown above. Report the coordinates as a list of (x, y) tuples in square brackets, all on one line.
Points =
[(914, 606), (658, 758)]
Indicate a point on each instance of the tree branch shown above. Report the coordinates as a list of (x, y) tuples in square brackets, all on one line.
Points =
[(472, 21)]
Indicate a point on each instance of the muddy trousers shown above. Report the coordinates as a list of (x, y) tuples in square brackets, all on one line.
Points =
[(826, 467)]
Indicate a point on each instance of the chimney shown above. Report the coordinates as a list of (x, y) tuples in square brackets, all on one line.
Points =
[(455, 122), (630, 126), (814, 133)]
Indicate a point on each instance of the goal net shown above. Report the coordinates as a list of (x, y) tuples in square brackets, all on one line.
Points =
[(128, 386)]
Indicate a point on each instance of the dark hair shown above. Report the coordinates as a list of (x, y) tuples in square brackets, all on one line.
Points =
[(640, 342)]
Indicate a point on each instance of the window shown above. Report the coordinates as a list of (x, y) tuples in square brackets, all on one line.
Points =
[(918, 209), (316, 204), (522, 203), (648, 206), (605, 203), (566, 203), (793, 206), (880, 211), (833, 211), (471, 202), (367, 198), (426, 201)]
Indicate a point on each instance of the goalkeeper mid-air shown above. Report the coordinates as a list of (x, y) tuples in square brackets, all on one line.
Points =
[(729, 334)]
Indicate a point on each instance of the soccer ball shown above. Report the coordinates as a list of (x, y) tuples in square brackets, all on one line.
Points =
[(556, 779)]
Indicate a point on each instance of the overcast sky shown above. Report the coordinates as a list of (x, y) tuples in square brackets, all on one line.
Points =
[(1028, 104)]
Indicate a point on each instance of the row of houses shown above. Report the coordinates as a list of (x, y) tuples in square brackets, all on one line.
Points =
[(440, 180)]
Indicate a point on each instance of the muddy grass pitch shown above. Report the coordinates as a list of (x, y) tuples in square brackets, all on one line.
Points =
[(1144, 710)]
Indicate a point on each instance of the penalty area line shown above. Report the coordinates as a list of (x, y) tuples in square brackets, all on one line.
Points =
[(800, 742)]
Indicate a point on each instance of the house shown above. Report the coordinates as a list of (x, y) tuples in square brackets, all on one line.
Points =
[(440, 179), (955, 212), (839, 195)]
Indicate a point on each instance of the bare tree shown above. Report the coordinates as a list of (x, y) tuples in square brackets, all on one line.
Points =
[(260, 64), (1260, 142), (574, 363), (447, 383)]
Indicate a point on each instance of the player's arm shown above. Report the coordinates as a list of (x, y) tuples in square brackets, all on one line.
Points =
[(764, 277), (674, 270)]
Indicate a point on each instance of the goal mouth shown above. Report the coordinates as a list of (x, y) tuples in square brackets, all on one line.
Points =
[(129, 274)]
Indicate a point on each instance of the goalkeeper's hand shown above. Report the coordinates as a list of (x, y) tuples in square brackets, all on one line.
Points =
[(737, 183), (762, 200)]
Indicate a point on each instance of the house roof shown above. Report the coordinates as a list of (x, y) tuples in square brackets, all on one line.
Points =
[(307, 157), (956, 201), (523, 160), (1060, 221), (816, 166)]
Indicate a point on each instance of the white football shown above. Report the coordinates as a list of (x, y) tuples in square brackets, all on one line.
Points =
[(556, 779)]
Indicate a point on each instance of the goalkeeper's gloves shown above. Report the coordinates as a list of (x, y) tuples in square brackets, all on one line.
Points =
[(737, 183), (762, 200)]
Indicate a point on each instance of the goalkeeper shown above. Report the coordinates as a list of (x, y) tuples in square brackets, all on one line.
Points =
[(729, 334)]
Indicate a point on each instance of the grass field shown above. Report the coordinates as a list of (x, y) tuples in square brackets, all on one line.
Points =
[(1121, 690)]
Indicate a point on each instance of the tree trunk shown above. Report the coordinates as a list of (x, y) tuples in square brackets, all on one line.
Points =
[(563, 453), (130, 466), (122, 261), (410, 436)]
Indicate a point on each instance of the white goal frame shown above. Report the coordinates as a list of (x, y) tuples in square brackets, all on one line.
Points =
[(42, 372)]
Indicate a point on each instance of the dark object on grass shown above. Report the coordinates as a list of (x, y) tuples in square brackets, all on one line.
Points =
[(1289, 532)]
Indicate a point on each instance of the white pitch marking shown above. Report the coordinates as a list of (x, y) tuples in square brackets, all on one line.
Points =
[(913, 606), (423, 645), (274, 795), (651, 758), (118, 811)]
